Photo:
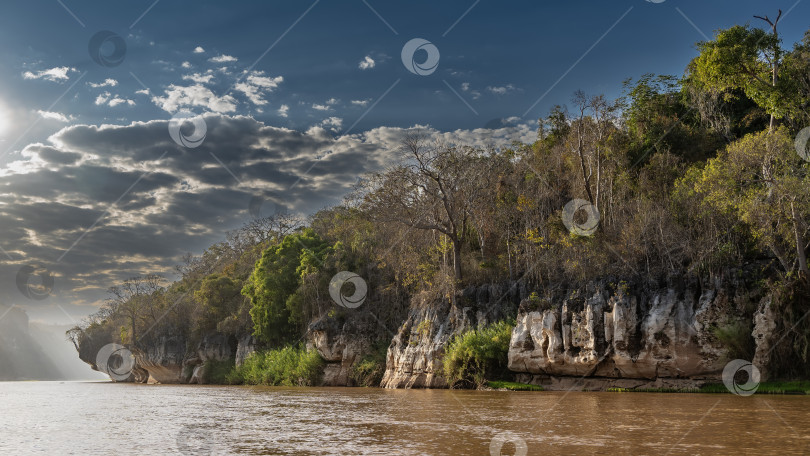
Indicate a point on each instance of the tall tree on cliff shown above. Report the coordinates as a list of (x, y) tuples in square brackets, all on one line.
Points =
[(748, 59), (762, 181), (435, 188)]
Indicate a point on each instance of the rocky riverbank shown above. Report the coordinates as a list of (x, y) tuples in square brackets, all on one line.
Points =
[(606, 334)]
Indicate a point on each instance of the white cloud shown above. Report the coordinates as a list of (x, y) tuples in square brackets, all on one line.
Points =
[(361, 102), (186, 64), (501, 90), (118, 100), (112, 100), (465, 86), (52, 74), (333, 123), (367, 63), (332, 101), (321, 107), (106, 83), (50, 115), (177, 97), (283, 111), (223, 59), (143, 91), (256, 85), (199, 78), (102, 98), (199, 50)]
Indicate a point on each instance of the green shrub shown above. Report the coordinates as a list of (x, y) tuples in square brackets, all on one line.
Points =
[(369, 370), (288, 366), (736, 337), (479, 355), (216, 372)]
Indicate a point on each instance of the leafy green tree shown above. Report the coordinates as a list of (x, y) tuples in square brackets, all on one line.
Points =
[(748, 59), (220, 297), (763, 182), (274, 282)]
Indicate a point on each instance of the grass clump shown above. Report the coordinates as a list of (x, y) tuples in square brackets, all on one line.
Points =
[(288, 366), (370, 369), (513, 386), (476, 356)]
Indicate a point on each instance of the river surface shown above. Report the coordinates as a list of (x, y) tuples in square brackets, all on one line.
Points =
[(123, 419)]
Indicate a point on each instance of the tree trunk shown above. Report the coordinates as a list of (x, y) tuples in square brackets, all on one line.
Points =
[(799, 242), (457, 258)]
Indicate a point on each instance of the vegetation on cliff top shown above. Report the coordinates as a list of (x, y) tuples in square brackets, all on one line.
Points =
[(688, 176)]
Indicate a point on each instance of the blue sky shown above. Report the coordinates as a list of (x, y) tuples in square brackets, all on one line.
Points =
[(300, 99), (507, 54)]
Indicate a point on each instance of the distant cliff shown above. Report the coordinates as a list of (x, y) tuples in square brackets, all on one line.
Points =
[(21, 355)]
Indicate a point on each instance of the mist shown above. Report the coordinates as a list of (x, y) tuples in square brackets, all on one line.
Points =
[(38, 351)]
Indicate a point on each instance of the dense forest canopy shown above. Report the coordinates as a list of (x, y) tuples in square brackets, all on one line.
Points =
[(688, 175)]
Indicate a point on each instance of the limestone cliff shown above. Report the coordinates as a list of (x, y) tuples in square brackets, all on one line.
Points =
[(613, 333), (415, 353)]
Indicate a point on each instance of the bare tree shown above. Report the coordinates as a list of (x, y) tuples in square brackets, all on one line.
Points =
[(434, 189)]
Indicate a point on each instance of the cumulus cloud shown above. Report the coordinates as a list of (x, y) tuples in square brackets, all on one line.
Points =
[(465, 87), (58, 116), (501, 90), (332, 123), (195, 96), (284, 110), (256, 85), (199, 78), (106, 83), (155, 200), (181, 201), (199, 50), (53, 74), (361, 102), (367, 63), (109, 99), (186, 65), (223, 58), (321, 107)]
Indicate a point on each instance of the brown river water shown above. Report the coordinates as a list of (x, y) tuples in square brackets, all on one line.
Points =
[(56, 418)]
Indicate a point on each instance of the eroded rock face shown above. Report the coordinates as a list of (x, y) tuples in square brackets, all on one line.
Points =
[(341, 345), (163, 359), (764, 336), (663, 334), (246, 345), (212, 347), (414, 357)]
